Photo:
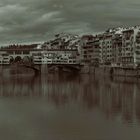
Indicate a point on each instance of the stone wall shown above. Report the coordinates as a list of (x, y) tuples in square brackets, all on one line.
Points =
[(110, 71)]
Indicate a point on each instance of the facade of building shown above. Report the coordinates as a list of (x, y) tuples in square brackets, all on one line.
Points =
[(106, 49), (128, 45), (4, 57), (87, 44), (119, 47), (96, 58), (137, 47), (116, 50), (55, 57)]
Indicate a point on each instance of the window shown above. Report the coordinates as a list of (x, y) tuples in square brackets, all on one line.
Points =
[(10, 52), (5, 54), (85, 52), (25, 52), (17, 52), (85, 56)]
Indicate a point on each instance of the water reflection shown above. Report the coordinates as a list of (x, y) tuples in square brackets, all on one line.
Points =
[(114, 97)]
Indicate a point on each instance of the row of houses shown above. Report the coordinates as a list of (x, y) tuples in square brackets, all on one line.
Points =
[(63, 41), (118, 47)]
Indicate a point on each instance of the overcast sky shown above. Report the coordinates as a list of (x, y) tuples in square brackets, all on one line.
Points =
[(38, 20)]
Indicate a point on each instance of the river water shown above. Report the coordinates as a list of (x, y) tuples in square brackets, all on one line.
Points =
[(69, 107)]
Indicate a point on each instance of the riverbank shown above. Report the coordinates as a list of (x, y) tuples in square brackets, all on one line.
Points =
[(113, 71), (86, 69)]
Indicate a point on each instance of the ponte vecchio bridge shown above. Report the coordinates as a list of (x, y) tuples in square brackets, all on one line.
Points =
[(31, 58)]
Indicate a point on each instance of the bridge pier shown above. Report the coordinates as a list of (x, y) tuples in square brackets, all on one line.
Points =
[(44, 69), (41, 69), (37, 69), (37, 72)]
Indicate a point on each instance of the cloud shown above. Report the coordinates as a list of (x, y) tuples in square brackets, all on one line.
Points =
[(38, 20)]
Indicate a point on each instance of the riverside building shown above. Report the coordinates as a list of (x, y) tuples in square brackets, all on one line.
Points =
[(87, 44), (118, 47), (129, 50), (106, 49)]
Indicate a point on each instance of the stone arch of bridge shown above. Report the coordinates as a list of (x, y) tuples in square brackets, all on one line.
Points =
[(18, 59), (22, 56), (11, 59), (27, 59)]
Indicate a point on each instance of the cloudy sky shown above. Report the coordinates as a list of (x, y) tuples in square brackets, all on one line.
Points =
[(39, 20)]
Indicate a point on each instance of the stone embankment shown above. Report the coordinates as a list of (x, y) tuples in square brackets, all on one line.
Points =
[(113, 71), (86, 69)]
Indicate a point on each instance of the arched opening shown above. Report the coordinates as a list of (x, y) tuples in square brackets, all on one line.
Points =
[(31, 59), (26, 59), (18, 59), (11, 60)]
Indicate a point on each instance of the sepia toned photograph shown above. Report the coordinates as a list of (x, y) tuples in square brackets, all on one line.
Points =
[(69, 70)]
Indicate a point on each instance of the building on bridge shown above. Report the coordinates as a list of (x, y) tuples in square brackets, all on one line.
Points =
[(39, 56)]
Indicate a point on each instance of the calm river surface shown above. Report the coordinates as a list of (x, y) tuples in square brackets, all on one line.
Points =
[(69, 107)]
